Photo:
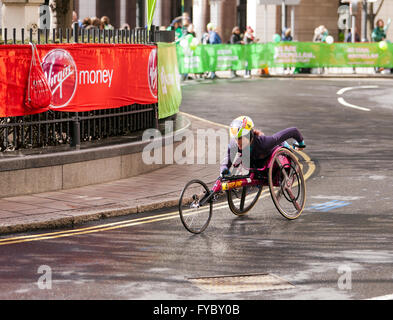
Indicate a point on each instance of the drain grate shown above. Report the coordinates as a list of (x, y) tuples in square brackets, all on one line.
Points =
[(241, 283)]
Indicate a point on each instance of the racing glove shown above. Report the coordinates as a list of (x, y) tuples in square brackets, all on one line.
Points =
[(299, 145), (225, 172)]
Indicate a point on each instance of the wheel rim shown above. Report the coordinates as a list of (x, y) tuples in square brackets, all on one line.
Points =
[(287, 185), (194, 217)]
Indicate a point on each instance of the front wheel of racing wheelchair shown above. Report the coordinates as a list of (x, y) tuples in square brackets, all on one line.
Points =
[(286, 183)]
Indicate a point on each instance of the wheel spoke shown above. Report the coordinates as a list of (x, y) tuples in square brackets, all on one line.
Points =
[(243, 198), (293, 198)]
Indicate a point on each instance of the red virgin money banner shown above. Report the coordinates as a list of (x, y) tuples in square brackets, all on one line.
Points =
[(82, 77)]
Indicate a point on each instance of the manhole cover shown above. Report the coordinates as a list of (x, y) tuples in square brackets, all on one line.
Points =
[(241, 283)]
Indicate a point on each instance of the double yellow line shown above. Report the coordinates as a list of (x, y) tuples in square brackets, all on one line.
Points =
[(87, 230), (131, 222)]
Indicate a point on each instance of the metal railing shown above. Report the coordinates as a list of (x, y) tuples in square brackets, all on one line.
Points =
[(52, 128), (59, 35)]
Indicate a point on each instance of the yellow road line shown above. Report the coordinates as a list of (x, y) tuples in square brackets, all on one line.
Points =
[(86, 230), (132, 222), (204, 120), (99, 228), (59, 233), (311, 164)]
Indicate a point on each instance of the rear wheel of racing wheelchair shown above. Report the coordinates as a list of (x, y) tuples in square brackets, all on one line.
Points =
[(241, 200), (286, 183), (195, 218)]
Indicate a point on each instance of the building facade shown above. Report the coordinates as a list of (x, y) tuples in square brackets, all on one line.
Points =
[(265, 18)]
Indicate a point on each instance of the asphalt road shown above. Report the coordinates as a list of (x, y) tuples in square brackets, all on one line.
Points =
[(340, 247)]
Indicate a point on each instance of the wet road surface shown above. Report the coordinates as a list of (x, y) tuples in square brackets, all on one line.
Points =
[(339, 248)]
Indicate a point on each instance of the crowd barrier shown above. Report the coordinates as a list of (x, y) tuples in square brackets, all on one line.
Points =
[(104, 83), (222, 57)]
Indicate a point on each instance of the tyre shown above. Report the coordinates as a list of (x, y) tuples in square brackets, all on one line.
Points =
[(195, 218), (241, 200), (286, 184)]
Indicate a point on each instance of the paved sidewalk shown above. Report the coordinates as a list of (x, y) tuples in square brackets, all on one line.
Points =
[(67, 208)]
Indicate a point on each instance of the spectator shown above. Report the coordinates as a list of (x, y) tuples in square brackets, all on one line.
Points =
[(349, 36), (236, 36), (177, 27), (95, 24), (249, 36), (125, 26), (379, 32), (75, 19), (106, 23), (205, 38), (235, 39), (86, 22), (186, 22), (190, 30), (214, 38), (186, 16), (286, 35), (248, 39), (320, 34)]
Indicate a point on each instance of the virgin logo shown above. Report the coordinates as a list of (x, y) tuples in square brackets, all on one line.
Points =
[(60, 71), (153, 72)]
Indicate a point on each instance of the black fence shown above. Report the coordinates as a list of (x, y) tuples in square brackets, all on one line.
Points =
[(54, 128)]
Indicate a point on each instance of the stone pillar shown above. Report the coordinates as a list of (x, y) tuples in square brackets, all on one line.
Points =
[(111, 9), (262, 18), (20, 14), (140, 13), (61, 13), (87, 8), (215, 14), (228, 19), (199, 17), (166, 17), (131, 13)]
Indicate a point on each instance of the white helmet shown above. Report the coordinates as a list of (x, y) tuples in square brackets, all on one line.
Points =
[(240, 127)]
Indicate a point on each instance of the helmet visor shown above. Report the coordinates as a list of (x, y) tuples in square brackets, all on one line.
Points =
[(237, 128)]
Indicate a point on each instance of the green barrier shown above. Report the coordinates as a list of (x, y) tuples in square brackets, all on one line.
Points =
[(169, 91), (220, 57)]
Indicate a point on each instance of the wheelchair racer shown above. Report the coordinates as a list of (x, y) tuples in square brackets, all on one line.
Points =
[(253, 144)]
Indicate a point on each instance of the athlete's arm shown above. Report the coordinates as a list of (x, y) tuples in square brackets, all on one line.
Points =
[(230, 156), (267, 143)]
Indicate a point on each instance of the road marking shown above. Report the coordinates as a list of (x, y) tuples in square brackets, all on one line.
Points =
[(58, 234), (386, 297), (341, 91), (330, 205), (349, 105), (204, 120), (335, 197), (102, 227), (137, 221), (311, 164)]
